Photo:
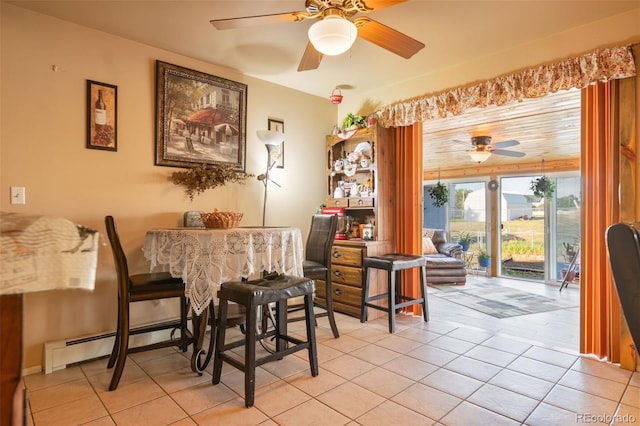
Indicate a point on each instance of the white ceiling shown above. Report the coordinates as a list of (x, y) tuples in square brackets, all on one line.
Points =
[(453, 31)]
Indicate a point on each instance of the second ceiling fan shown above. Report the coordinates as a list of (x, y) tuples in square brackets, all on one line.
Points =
[(335, 31), (483, 148)]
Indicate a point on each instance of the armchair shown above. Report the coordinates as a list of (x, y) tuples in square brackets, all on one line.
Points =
[(444, 259)]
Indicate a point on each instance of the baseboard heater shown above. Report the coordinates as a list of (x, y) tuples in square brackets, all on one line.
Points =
[(59, 354)]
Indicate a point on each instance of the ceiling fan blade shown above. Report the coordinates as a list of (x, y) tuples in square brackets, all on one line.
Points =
[(310, 58), (387, 38), (381, 4), (250, 21), (458, 141), (508, 153), (505, 144)]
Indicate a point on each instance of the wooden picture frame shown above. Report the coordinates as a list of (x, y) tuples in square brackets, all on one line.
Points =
[(200, 118), (102, 116), (278, 125)]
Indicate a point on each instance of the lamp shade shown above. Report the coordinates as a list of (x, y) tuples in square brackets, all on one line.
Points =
[(270, 137), (479, 156), (333, 35)]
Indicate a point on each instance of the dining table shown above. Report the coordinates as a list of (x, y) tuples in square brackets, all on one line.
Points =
[(204, 258)]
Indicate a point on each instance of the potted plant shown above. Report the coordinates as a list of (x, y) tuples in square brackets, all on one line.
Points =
[(465, 239), (353, 121), (484, 259), (568, 275), (439, 193), (543, 187), (569, 251), (198, 179)]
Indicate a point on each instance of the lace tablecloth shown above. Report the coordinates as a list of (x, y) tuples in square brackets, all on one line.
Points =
[(205, 258), (40, 253)]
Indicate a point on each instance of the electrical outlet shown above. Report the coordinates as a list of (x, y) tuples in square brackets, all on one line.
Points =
[(18, 195)]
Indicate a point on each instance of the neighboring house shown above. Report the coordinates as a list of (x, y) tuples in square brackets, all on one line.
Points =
[(512, 205)]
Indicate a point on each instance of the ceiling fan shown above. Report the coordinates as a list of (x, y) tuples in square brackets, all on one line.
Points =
[(483, 148), (335, 31)]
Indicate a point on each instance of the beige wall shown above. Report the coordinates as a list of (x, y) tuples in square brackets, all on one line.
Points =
[(42, 147)]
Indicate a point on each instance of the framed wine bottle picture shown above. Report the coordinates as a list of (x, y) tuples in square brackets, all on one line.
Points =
[(102, 101)]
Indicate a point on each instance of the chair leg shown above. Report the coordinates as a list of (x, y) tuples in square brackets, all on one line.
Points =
[(329, 301), (123, 346), (398, 291), (281, 325), (365, 292), (391, 303), (116, 343), (184, 309), (220, 335), (311, 334), (423, 289), (250, 357)]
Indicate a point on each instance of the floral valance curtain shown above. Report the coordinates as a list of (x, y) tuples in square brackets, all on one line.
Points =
[(579, 72)]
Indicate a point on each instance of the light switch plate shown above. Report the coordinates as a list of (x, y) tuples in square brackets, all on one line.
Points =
[(18, 195)]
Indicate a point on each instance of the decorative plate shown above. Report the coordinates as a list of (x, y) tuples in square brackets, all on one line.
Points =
[(350, 170), (364, 149)]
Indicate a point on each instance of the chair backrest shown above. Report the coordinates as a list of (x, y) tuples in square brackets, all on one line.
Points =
[(321, 236), (119, 257), (623, 245)]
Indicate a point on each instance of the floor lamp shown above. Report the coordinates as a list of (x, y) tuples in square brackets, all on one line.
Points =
[(271, 140)]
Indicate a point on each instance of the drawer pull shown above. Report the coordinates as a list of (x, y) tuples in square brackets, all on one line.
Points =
[(336, 255), (338, 292), (337, 274)]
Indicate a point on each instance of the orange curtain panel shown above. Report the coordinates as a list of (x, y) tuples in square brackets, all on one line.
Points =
[(408, 207), (600, 309)]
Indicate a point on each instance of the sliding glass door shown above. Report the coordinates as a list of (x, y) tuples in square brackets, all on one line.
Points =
[(540, 236), (523, 229)]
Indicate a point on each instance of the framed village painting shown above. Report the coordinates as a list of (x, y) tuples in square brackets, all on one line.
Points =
[(200, 118)]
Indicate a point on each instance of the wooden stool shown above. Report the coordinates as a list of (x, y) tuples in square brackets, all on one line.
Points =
[(253, 295), (394, 263)]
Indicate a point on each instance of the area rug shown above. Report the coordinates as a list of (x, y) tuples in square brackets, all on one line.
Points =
[(503, 302)]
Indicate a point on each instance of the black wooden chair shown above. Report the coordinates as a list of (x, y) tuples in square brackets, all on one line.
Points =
[(137, 288), (317, 264), (623, 245)]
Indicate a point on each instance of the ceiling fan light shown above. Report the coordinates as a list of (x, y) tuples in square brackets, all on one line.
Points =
[(333, 35), (479, 156)]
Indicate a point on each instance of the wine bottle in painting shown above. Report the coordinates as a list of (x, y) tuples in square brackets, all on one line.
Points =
[(100, 113)]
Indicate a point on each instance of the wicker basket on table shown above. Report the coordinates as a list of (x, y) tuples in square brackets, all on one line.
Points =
[(221, 220)]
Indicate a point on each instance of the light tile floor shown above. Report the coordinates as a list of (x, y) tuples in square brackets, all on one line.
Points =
[(461, 368)]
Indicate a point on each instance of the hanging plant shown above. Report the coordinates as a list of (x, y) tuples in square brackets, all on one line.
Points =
[(543, 187), (439, 193), (198, 179)]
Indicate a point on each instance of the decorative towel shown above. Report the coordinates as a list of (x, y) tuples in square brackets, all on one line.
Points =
[(40, 253)]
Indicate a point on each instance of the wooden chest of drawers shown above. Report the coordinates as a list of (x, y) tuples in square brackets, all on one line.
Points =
[(347, 275)]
